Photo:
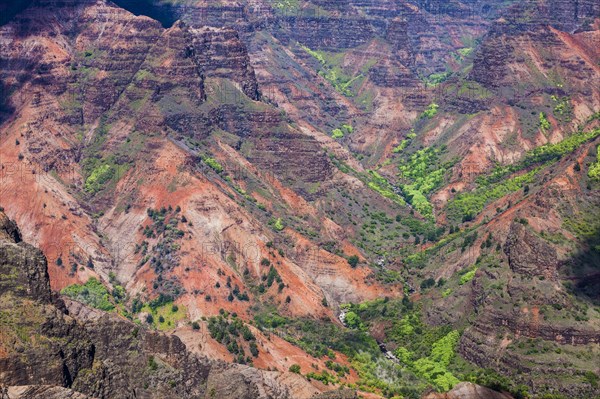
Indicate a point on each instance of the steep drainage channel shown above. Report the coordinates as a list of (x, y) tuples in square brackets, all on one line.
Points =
[(388, 354)]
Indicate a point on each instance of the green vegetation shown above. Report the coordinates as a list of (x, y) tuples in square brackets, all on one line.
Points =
[(342, 131), (496, 185), (229, 331), (320, 338), (467, 277), (277, 224), (594, 170), (102, 168), (434, 367), (469, 205), (383, 376), (465, 52), (324, 376), (337, 134), (430, 111), (563, 110), (543, 154), (295, 368), (165, 314), (333, 73), (491, 379), (544, 122), (271, 277), (379, 184), (339, 369), (92, 293), (99, 176), (404, 143), (353, 261), (425, 172), (347, 129), (436, 78), (353, 321), (317, 337), (426, 352), (164, 227), (213, 164), (400, 147), (286, 5)]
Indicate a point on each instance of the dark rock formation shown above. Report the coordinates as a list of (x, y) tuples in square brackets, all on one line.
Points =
[(23, 270), (467, 390), (43, 391), (529, 254), (219, 53)]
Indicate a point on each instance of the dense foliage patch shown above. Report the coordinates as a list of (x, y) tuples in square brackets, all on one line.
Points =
[(92, 293)]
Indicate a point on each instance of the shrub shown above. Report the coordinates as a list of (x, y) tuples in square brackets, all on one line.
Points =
[(295, 368), (337, 134), (152, 365), (353, 261), (278, 224), (430, 111), (213, 164), (468, 276), (195, 325), (352, 320), (253, 349), (592, 378), (544, 123), (428, 283)]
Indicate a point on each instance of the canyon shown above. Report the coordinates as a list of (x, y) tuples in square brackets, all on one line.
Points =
[(211, 184)]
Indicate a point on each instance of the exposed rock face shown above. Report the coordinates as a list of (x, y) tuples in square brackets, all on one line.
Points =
[(44, 391), (23, 270), (219, 53), (63, 349), (528, 254), (340, 394), (8, 229), (525, 42), (467, 390), (519, 327), (100, 355)]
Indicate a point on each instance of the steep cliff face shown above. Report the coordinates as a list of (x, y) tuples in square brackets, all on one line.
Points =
[(24, 270), (528, 254)]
